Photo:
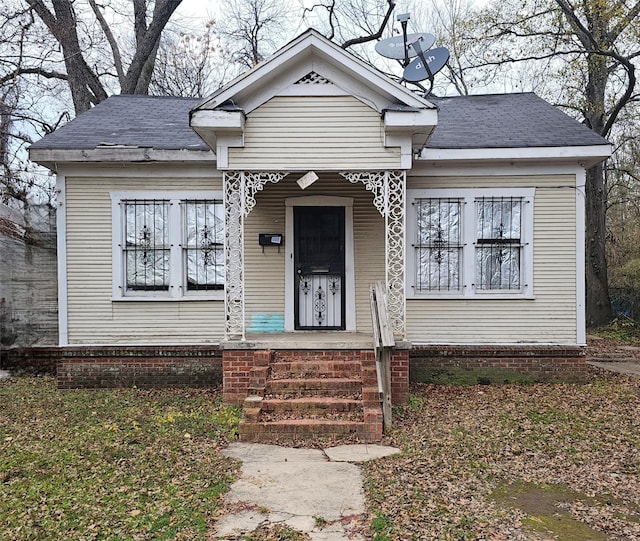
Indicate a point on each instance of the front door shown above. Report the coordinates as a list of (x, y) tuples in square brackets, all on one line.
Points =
[(319, 262)]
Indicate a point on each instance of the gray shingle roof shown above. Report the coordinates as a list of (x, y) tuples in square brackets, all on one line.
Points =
[(506, 121), (488, 121), (156, 122)]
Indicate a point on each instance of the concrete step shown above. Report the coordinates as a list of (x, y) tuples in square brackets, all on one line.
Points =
[(299, 428)]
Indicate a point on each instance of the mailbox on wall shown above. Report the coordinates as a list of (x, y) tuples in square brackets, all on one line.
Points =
[(270, 239)]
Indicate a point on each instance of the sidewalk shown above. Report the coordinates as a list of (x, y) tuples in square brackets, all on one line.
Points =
[(629, 368), (317, 492)]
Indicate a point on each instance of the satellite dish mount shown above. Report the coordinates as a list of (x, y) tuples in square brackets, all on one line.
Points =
[(426, 61)]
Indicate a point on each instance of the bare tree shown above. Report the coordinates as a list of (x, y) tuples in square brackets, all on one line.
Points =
[(253, 29), (587, 51), (191, 63), (87, 82)]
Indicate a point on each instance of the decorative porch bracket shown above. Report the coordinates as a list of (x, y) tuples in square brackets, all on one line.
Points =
[(388, 188), (240, 189)]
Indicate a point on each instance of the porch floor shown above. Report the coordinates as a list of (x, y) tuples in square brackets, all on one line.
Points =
[(302, 340)]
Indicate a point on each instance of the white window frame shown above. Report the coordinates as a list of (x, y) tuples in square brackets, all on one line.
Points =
[(177, 269), (468, 197)]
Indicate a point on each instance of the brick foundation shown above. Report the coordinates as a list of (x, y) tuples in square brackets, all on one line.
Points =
[(544, 363), (400, 377), (237, 366), (163, 366), (31, 360), (140, 366)]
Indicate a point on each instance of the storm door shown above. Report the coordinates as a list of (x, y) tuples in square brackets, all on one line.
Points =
[(319, 268)]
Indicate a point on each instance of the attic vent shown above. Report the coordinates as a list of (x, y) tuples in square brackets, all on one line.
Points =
[(312, 78)]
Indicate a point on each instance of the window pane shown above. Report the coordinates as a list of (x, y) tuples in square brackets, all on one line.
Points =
[(498, 218), (498, 247), (148, 270), (205, 270), (146, 244), (438, 246), (204, 239), (204, 223), (438, 269), (438, 221), (497, 267)]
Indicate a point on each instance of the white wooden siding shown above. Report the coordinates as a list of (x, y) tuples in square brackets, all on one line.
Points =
[(314, 132), (265, 272), (93, 318), (551, 316)]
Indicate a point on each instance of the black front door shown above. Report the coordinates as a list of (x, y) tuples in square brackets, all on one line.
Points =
[(319, 268)]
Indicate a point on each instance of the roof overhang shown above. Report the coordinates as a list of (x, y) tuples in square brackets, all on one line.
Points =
[(51, 158), (417, 125), (585, 156)]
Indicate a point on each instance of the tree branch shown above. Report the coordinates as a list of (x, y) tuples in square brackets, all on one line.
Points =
[(117, 58), (33, 71), (378, 34)]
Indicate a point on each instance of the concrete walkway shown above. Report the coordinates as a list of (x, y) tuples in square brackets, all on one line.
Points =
[(629, 368), (318, 492)]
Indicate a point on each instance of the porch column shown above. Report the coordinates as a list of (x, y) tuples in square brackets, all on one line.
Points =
[(239, 190), (389, 189)]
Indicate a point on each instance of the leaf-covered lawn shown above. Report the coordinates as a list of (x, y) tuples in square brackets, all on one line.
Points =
[(112, 464), (512, 462)]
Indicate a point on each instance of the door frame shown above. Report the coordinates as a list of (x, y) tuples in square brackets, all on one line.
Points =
[(349, 258)]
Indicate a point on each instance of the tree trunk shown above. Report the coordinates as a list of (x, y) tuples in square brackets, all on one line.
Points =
[(598, 303)]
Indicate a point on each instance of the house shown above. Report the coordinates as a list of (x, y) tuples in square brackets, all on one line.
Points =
[(251, 224)]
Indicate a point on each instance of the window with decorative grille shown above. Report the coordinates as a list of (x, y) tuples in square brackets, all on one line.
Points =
[(498, 246), (168, 246), (204, 244), (470, 242), (146, 244), (438, 245)]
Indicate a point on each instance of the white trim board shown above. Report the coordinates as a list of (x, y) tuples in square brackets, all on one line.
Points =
[(581, 315), (61, 225)]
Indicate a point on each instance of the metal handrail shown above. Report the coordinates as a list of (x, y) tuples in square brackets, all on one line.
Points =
[(383, 344)]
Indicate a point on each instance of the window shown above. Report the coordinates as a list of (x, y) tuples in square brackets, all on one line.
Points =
[(168, 246), (204, 244), (146, 247), (467, 243), (498, 247), (438, 246)]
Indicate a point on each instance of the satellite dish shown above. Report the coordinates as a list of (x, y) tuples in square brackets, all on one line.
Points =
[(395, 47), (435, 60)]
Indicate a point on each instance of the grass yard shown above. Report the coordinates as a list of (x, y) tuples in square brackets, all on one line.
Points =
[(113, 464), (483, 462), (512, 462)]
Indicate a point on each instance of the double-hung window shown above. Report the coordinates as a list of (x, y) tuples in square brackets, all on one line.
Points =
[(470, 243), (167, 245)]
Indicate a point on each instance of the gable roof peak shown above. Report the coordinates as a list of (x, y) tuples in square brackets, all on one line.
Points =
[(308, 53)]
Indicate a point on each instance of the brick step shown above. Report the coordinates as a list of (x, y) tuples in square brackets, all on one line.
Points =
[(316, 368), (302, 415), (311, 405), (301, 387), (317, 355)]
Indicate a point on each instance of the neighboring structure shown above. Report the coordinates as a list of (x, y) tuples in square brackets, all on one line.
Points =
[(28, 278), (256, 219)]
